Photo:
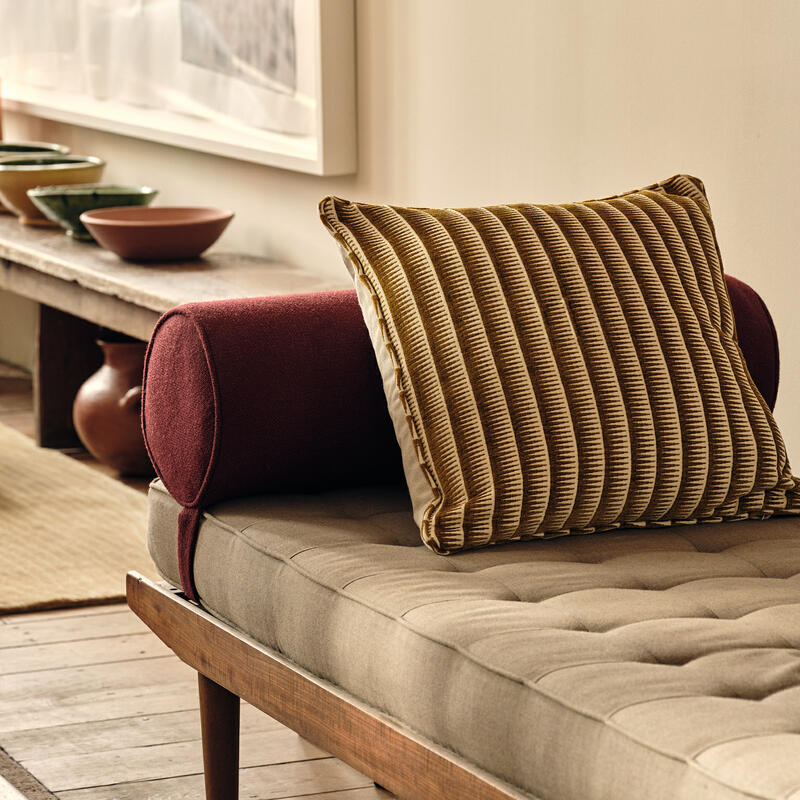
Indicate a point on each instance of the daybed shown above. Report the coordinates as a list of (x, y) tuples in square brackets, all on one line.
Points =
[(656, 663)]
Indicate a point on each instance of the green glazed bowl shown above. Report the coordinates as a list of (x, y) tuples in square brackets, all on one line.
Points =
[(17, 149), (65, 204)]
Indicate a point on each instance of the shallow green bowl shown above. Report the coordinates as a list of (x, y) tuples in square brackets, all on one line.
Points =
[(65, 204), (17, 149)]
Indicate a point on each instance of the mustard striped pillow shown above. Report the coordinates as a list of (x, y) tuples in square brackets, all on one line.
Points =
[(555, 369)]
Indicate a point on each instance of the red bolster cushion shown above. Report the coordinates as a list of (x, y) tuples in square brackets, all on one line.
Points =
[(265, 394), (758, 339), (283, 394)]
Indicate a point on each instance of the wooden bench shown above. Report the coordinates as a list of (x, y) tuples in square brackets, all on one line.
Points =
[(81, 288)]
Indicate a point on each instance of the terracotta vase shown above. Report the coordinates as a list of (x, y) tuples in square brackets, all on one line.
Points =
[(107, 408)]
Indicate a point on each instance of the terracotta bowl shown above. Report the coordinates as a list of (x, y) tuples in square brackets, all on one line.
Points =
[(163, 233), (19, 174), (65, 204)]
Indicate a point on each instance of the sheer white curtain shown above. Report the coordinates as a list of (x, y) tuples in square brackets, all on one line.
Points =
[(230, 61)]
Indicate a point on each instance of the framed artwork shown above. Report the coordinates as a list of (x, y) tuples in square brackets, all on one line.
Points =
[(270, 81)]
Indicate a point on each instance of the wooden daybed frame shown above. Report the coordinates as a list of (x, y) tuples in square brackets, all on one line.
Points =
[(231, 665)]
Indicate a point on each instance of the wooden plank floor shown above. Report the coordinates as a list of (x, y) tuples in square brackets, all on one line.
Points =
[(16, 399), (95, 707)]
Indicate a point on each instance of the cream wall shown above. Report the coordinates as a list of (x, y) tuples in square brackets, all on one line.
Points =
[(464, 101)]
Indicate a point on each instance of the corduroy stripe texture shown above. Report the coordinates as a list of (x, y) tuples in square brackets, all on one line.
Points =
[(565, 368)]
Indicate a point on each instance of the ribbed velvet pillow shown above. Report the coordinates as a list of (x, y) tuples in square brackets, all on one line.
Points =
[(555, 369)]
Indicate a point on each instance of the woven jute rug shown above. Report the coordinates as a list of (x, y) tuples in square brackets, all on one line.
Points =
[(68, 534)]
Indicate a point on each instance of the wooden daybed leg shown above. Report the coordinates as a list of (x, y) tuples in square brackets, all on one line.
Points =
[(321, 713), (219, 721)]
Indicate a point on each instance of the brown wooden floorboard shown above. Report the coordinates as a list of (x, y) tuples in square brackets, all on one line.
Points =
[(101, 710), (16, 402), (95, 707)]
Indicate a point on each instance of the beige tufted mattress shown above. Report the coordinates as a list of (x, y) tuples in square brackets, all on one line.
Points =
[(635, 664)]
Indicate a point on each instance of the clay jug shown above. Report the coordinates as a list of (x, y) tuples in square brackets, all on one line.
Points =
[(107, 409)]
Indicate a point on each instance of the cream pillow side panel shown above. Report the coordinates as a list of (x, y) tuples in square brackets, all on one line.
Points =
[(419, 486)]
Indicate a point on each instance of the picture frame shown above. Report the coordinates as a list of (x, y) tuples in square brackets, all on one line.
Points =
[(194, 74)]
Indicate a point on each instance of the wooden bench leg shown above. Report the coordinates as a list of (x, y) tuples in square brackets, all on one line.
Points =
[(219, 721), (66, 355)]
